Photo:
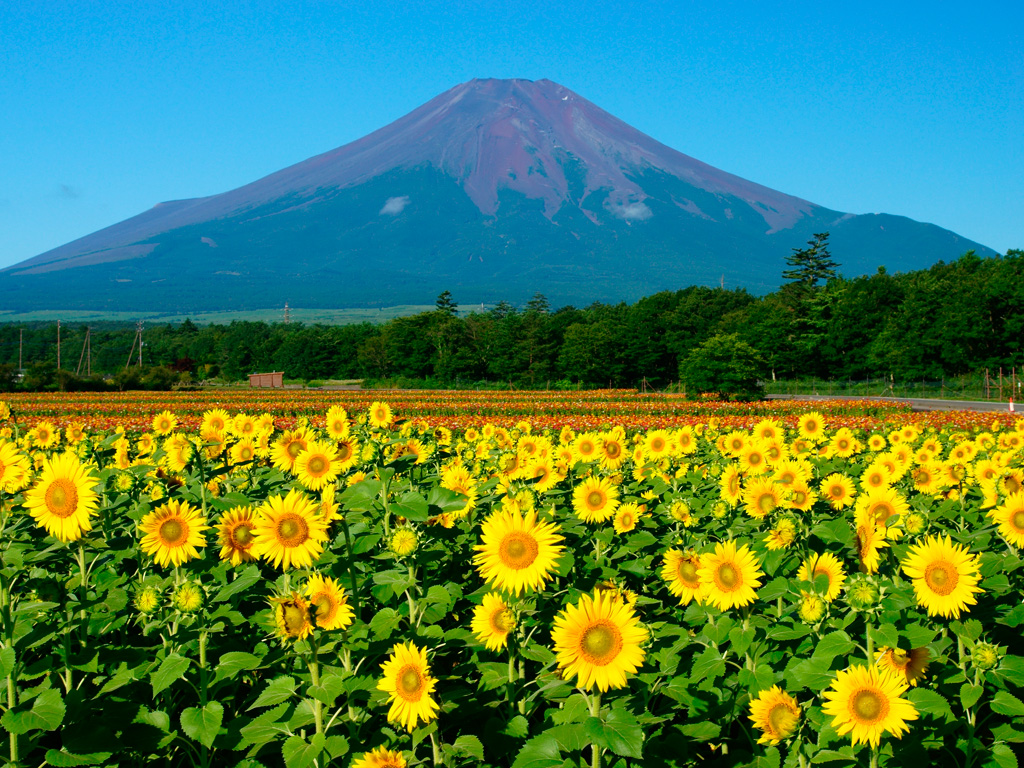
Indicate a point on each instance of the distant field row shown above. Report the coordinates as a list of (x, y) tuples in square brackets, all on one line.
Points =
[(325, 316)]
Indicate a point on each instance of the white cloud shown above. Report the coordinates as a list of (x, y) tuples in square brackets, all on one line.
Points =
[(632, 211), (394, 205)]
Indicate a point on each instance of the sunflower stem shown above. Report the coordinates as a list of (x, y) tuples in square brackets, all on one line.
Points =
[(12, 677), (869, 642), (314, 676), (435, 748), (351, 564), (874, 757), (595, 711)]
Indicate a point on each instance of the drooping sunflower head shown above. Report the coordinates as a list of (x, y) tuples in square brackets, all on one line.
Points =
[(329, 603), (776, 714), (910, 665), (1010, 518), (409, 685), (291, 617), (945, 576), (493, 620), (517, 553), (598, 641), (867, 702), (173, 533)]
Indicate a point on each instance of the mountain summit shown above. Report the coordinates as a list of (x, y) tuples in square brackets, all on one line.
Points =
[(495, 189)]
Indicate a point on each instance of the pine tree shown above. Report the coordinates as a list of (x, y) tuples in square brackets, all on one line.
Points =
[(808, 267), (446, 304)]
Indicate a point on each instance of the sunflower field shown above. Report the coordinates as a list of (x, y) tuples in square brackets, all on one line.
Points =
[(371, 589)]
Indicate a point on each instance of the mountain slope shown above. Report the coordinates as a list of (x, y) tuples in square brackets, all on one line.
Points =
[(495, 189)]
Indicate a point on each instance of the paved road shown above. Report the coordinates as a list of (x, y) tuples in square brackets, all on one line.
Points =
[(917, 403)]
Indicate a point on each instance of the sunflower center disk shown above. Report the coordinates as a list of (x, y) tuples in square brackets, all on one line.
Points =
[(316, 465), (595, 499), (883, 512), (518, 550), (766, 503), (869, 706), (941, 577), (292, 531), (242, 535), (728, 576), (294, 619), (62, 498), (295, 448), (173, 532), (1017, 521), (601, 643), (323, 604), (688, 574), (410, 684)]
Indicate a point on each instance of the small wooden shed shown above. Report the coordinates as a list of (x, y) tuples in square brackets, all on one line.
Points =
[(275, 379)]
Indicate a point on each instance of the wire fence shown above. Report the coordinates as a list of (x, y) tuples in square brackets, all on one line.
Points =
[(995, 386)]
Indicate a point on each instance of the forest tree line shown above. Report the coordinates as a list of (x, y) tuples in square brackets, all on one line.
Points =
[(953, 318)]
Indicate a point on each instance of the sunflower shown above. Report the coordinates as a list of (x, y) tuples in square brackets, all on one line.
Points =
[(782, 535), (843, 443), (164, 423), (731, 484), (14, 468), (800, 496), (380, 758), (317, 466), (336, 422), (598, 641), (544, 473), (287, 447), (291, 616), (173, 533), (775, 713), (595, 499), (380, 415), (945, 576), (403, 541), (881, 505), (288, 531), (188, 597), (680, 571), (75, 432), (235, 535), (63, 498), (870, 539), (1010, 517), (408, 683), (243, 425), (177, 452), (329, 602), (729, 576), (761, 497), (657, 443), (242, 452), (811, 426), (216, 419), (492, 621), (734, 443), (826, 565), (792, 471), (837, 490), (626, 517), (910, 665), (517, 554), (612, 451), (866, 702), (753, 460), (348, 453), (586, 447)]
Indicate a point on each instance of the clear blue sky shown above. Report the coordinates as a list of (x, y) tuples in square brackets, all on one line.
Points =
[(908, 108)]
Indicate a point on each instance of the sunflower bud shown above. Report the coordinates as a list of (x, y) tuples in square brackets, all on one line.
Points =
[(188, 597), (915, 523), (862, 595), (147, 600), (812, 608), (403, 541), (985, 655)]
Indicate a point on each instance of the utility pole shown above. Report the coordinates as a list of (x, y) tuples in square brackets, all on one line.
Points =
[(21, 343), (286, 317), (81, 357), (138, 330), (58, 345)]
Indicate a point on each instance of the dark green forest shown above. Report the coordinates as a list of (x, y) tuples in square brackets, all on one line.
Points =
[(951, 319)]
